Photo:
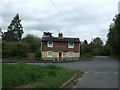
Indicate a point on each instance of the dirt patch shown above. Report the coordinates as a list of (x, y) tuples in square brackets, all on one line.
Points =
[(73, 81)]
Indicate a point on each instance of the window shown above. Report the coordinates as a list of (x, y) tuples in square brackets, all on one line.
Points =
[(70, 45), (50, 44), (49, 54), (70, 54)]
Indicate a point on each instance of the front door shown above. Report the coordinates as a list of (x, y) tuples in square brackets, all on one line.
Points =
[(60, 54)]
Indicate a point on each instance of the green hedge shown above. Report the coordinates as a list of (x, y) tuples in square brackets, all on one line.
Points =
[(15, 49)]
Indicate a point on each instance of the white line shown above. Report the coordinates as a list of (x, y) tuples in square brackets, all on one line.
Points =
[(96, 72), (116, 73)]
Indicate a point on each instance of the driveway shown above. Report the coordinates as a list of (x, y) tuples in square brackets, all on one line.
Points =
[(102, 72)]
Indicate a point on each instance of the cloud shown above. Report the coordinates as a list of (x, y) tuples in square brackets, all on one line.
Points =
[(84, 19)]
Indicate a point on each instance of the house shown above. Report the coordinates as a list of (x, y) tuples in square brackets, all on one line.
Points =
[(59, 47)]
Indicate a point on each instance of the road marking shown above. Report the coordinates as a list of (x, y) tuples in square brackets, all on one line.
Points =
[(116, 73), (96, 72), (85, 72), (105, 72)]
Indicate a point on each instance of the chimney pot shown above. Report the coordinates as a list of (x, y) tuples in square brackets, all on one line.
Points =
[(60, 35)]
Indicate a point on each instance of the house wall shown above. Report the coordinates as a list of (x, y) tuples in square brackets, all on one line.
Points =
[(56, 54), (61, 46)]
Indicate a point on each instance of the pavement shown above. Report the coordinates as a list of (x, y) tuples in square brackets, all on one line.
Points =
[(101, 72)]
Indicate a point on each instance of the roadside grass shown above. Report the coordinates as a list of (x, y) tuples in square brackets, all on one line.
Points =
[(116, 57), (89, 58), (50, 76)]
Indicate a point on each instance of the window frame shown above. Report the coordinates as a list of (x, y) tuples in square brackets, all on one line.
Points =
[(69, 54), (48, 54), (49, 44), (70, 46)]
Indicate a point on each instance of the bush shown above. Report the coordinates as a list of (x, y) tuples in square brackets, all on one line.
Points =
[(33, 41), (97, 51), (38, 53), (15, 49)]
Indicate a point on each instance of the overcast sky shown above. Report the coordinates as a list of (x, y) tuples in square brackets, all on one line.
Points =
[(84, 19)]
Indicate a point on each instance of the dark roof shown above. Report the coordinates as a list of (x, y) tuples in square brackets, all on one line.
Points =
[(56, 39)]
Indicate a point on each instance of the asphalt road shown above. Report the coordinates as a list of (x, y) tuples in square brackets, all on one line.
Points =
[(102, 72)]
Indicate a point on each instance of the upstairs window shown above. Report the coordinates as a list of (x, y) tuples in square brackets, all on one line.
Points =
[(70, 54), (50, 44), (70, 45)]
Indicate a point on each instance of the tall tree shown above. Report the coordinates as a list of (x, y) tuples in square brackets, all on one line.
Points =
[(96, 46), (85, 42), (14, 31), (85, 48), (114, 36), (97, 42)]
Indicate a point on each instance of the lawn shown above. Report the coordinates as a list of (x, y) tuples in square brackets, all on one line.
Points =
[(50, 76)]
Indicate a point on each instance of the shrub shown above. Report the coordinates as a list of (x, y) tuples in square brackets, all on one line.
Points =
[(15, 49), (97, 51), (38, 53)]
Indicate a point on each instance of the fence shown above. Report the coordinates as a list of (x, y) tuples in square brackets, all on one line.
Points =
[(65, 59)]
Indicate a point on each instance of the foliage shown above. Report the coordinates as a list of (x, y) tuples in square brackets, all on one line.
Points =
[(38, 53), (116, 57), (14, 49), (97, 51), (95, 47), (33, 41), (85, 42), (21, 74), (97, 42), (85, 49), (113, 36), (105, 51), (14, 31)]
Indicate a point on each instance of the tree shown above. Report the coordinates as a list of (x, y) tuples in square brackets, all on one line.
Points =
[(85, 48), (33, 41), (0, 32), (97, 42), (105, 50), (14, 31), (85, 42), (96, 46), (97, 51), (114, 36)]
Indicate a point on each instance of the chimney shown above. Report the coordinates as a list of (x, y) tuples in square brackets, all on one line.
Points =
[(60, 35)]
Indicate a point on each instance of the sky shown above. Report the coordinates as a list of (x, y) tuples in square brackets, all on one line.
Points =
[(83, 19)]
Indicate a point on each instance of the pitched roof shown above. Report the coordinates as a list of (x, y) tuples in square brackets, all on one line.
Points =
[(56, 39)]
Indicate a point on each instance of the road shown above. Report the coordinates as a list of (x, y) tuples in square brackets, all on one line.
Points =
[(101, 72)]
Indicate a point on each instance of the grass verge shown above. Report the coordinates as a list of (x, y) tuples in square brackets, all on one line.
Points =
[(115, 57), (50, 76), (89, 58)]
